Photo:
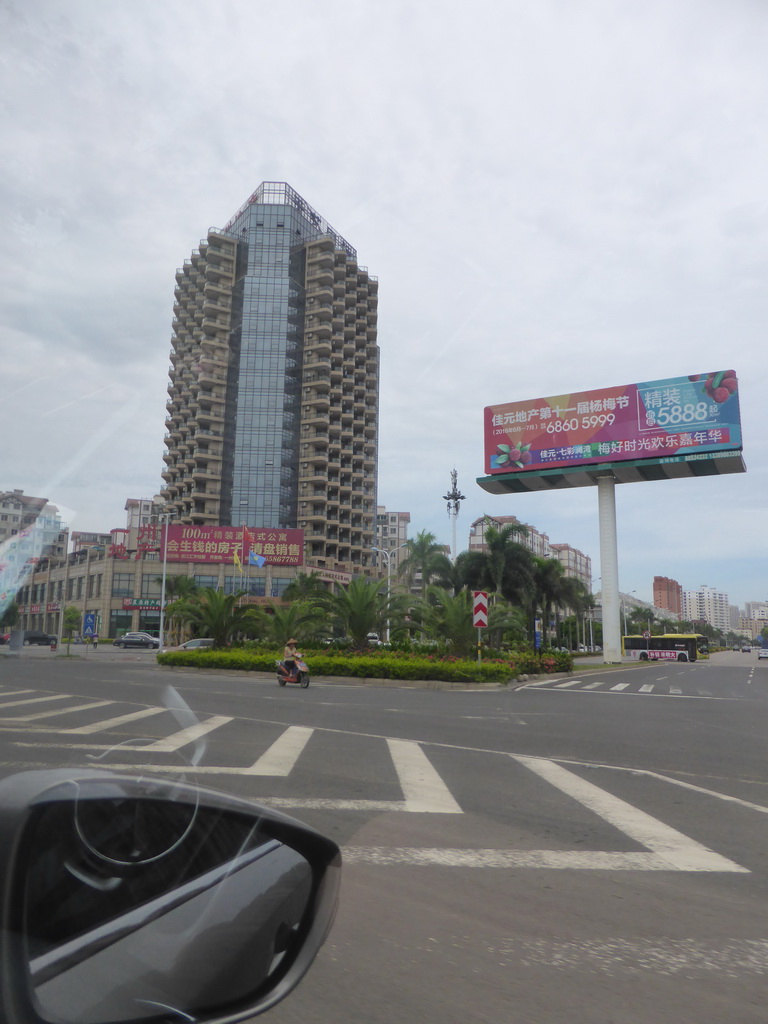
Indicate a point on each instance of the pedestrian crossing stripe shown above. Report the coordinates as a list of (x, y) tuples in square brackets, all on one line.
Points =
[(424, 791)]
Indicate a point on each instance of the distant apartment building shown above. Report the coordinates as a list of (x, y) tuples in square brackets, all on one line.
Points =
[(82, 540), (391, 536), (20, 512), (707, 605), (575, 563), (668, 594)]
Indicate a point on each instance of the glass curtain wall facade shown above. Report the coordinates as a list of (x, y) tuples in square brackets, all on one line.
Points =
[(273, 394)]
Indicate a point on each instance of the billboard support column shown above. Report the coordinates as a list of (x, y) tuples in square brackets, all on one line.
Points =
[(609, 567)]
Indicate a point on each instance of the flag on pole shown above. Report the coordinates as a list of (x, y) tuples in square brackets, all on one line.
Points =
[(238, 563), (247, 542), (254, 559)]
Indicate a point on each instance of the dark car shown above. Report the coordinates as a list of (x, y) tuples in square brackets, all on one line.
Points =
[(191, 645), (36, 636), (136, 640)]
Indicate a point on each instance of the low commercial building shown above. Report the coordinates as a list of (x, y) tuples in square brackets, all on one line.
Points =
[(122, 589)]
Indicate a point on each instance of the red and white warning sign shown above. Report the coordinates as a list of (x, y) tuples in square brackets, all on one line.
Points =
[(479, 609)]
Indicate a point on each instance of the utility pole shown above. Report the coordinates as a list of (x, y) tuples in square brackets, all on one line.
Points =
[(454, 497)]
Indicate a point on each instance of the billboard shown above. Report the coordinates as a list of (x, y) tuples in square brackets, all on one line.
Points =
[(677, 416), (232, 544)]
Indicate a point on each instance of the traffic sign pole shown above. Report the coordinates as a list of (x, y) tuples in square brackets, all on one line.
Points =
[(479, 616)]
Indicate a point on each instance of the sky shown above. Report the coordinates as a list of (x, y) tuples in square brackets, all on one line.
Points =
[(556, 196)]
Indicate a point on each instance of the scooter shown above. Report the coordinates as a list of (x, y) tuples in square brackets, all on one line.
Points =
[(299, 674)]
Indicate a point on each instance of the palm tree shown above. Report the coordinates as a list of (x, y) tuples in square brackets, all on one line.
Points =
[(460, 574), (550, 590), (505, 567), (177, 586), (280, 623), (363, 607), (305, 587), (218, 615), (450, 618), (425, 557), (577, 598), (178, 589)]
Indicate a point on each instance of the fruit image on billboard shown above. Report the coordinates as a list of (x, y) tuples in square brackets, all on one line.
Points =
[(671, 417)]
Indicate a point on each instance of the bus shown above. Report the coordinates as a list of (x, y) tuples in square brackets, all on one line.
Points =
[(667, 647)]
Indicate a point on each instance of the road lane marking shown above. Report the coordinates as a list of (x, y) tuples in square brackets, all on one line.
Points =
[(30, 700), (180, 739), (15, 693), (646, 688), (558, 860), (569, 682), (620, 686), (675, 690), (662, 956), (677, 851), (593, 686), (422, 787), (111, 723), (62, 711), (281, 757)]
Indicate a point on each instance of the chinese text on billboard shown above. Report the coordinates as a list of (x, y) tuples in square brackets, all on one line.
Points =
[(676, 416), (222, 543)]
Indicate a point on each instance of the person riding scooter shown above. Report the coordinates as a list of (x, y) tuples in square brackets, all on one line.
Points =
[(292, 668), (290, 654)]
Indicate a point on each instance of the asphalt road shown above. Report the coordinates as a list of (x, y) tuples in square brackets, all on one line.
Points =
[(584, 850)]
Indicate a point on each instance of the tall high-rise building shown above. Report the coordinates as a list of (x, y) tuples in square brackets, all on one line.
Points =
[(668, 594), (707, 605), (274, 382)]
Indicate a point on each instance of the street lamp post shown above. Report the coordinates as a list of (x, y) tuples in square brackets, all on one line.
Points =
[(388, 555), (165, 516)]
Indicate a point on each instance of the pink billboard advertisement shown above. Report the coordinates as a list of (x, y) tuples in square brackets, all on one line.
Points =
[(676, 416), (233, 544)]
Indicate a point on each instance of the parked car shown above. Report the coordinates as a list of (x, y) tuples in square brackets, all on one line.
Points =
[(4, 638), (763, 652), (36, 636), (136, 640), (191, 645)]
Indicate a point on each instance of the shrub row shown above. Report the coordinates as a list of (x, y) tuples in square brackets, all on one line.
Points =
[(379, 665)]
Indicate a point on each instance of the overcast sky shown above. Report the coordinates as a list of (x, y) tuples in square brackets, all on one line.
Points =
[(556, 196)]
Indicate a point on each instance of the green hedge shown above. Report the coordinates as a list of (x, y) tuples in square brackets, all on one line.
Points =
[(381, 665)]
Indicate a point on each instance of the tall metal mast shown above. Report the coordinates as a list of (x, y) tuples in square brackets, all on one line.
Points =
[(454, 497)]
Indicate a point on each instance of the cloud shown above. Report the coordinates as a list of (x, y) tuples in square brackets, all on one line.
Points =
[(554, 197)]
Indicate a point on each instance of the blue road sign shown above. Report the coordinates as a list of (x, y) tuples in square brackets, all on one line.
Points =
[(89, 624)]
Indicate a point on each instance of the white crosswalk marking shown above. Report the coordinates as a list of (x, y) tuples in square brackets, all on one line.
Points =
[(111, 723), (592, 686), (569, 682), (423, 788), (647, 688), (62, 711), (283, 754), (676, 691), (620, 686), (33, 700), (677, 851), (184, 736)]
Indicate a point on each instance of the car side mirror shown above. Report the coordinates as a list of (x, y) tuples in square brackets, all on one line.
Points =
[(128, 899)]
